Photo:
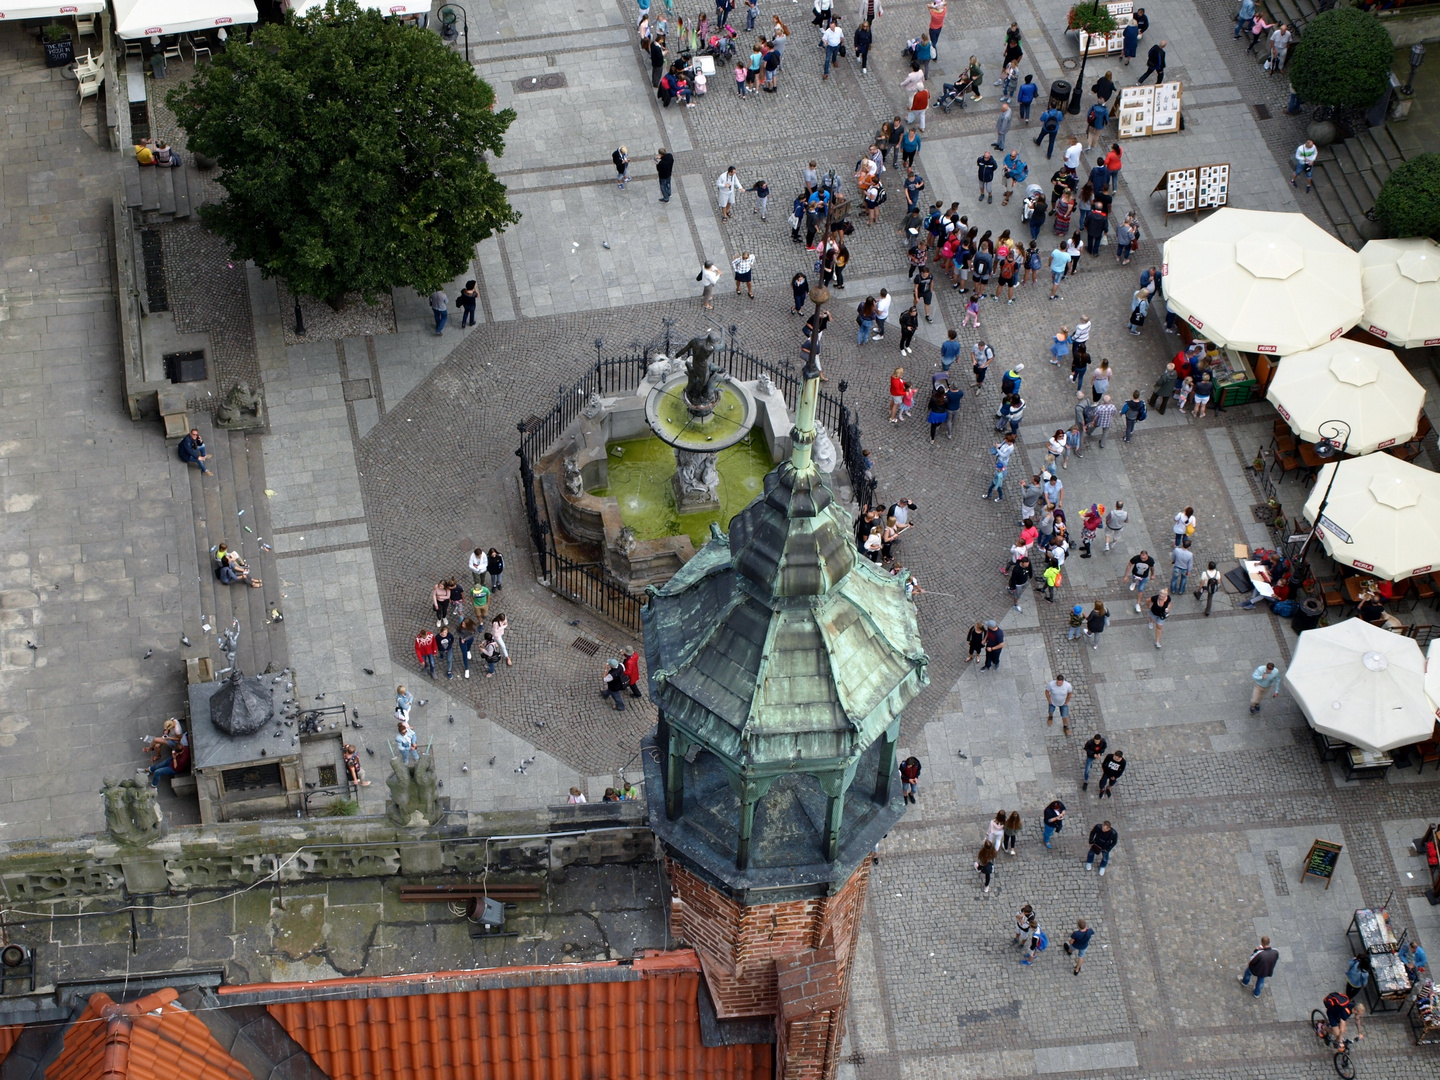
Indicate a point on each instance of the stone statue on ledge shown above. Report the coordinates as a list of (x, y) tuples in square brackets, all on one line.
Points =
[(593, 405), (574, 479), (132, 812), (700, 389), (625, 542), (243, 407), (414, 800), (696, 484)]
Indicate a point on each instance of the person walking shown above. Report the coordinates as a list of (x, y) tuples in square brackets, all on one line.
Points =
[(1105, 414), (939, 405), (862, 40), (1049, 127), (1266, 677), (1134, 412), (1095, 624), (985, 862), (440, 306), (621, 157), (1020, 575), (425, 649), (1077, 623), (614, 682), (1057, 696), (937, 23), (1115, 519), (1079, 941), (1164, 387), (994, 645), (981, 354), (1001, 452), (1182, 559), (1154, 64), (1243, 16), (1002, 126), (1305, 156), (1130, 42), (1209, 583), (909, 322), (1093, 749), (1054, 821), (910, 778), (1184, 526), (1280, 40), (708, 277), (1059, 262), (1095, 121), (728, 188), (1103, 838), (1012, 832), (1142, 570), (1111, 769), (924, 290), (1261, 965), (1159, 612)]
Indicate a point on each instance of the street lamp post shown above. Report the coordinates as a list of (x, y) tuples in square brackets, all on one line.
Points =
[(1417, 57), (1325, 447), (1075, 94), (447, 25), (819, 297)]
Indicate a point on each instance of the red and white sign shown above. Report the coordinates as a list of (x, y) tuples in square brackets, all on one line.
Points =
[(1432, 341), (224, 21), (1420, 570), (1363, 565), (1281, 410), (1336, 332), (1378, 332), (1195, 322), (1164, 269), (1383, 445), (1267, 348)]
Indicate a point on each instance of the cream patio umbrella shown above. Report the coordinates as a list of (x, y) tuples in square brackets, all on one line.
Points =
[(1262, 282), (1432, 676), (1361, 685), (1380, 514), (1362, 385), (1400, 283)]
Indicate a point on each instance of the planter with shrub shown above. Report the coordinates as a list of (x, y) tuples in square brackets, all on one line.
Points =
[(59, 46)]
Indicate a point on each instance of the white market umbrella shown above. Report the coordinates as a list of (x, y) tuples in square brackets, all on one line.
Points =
[(1387, 509), (1432, 676), (150, 18), (1400, 283), (1361, 685), (32, 9), (1262, 282), (1365, 386)]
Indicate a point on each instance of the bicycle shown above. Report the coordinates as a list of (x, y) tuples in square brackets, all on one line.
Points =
[(1343, 1064)]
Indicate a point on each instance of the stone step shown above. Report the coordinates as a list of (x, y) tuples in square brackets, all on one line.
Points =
[(181, 179), (166, 183), (266, 639), (131, 177), (1289, 11), (1407, 139), (1350, 204), (149, 190), (1344, 157)]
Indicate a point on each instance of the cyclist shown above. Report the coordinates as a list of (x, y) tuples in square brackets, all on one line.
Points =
[(1338, 1011)]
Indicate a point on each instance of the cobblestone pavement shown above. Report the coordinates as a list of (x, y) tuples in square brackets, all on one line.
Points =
[(392, 455)]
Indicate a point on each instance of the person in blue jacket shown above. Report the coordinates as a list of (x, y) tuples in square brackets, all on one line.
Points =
[(1131, 36), (1049, 125), (1025, 96)]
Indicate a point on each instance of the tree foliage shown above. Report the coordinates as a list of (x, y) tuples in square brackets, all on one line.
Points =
[(352, 152), (1343, 60), (1409, 203), (1091, 17)]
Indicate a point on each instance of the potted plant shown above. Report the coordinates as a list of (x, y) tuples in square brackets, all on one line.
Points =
[(1093, 18), (59, 46)]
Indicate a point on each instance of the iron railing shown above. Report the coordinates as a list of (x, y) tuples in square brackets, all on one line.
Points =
[(588, 583)]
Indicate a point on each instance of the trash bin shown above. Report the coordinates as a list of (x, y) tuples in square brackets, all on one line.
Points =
[(1059, 94), (1307, 615)]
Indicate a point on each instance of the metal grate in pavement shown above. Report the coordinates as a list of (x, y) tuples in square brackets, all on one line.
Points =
[(551, 80), (1262, 112), (154, 258), (586, 645)]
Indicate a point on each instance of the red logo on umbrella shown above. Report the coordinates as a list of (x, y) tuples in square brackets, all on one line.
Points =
[(1267, 348), (1383, 445), (1281, 410), (1378, 332), (1420, 570), (1336, 332), (1195, 322), (1362, 565)]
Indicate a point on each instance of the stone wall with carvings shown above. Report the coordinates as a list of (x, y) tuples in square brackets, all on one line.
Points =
[(241, 853)]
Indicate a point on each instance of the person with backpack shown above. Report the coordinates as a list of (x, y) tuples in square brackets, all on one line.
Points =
[(1095, 624), (910, 778), (1134, 412), (1039, 942), (1049, 125), (1103, 839), (1015, 173), (1026, 923), (1261, 965), (1078, 943), (1095, 121)]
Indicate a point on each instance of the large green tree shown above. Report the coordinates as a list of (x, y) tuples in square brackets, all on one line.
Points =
[(1409, 203), (352, 151), (1343, 60)]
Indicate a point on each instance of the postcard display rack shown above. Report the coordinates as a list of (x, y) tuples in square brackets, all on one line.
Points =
[(1193, 189), (1149, 110)]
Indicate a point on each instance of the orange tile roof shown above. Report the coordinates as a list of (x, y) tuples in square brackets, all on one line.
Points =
[(635, 1021), (151, 1039), (8, 1035)]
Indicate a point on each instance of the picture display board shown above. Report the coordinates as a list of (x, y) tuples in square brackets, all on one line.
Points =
[(1113, 42), (1149, 110), (1190, 190)]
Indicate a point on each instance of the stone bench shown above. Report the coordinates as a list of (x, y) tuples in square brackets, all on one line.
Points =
[(183, 785)]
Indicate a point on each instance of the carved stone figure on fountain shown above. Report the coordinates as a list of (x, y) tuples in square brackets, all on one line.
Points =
[(700, 388)]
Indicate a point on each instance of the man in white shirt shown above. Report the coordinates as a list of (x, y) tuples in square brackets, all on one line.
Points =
[(1057, 696), (479, 563), (728, 186), (1072, 155), (1305, 155), (1280, 40), (833, 38), (882, 312)]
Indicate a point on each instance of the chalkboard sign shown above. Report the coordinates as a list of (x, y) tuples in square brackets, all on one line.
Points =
[(1321, 861)]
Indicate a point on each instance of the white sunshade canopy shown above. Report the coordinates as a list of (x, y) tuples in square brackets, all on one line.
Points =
[(1400, 283), (30, 9), (1389, 509), (148, 18), (1263, 282), (1364, 385), (1432, 676), (1361, 685), (385, 7)]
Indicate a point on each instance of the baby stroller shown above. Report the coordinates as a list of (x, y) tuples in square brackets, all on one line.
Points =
[(954, 93)]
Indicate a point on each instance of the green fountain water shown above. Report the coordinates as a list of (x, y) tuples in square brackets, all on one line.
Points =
[(640, 472)]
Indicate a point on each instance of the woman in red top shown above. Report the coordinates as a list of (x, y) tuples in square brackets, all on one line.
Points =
[(1112, 163), (937, 23), (898, 386)]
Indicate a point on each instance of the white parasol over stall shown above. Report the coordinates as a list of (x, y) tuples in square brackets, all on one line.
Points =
[(34, 9), (1382, 515), (1400, 280), (158, 18), (1262, 282), (1432, 676), (1361, 685), (1363, 385)]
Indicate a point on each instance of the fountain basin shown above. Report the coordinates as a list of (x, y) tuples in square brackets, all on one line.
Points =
[(721, 423)]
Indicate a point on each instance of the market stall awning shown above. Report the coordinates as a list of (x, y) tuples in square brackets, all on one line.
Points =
[(1400, 283), (385, 7), (1387, 509), (1362, 685), (32, 10), (1262, 282), (148, 18), (1432, 676), (1365, 386)]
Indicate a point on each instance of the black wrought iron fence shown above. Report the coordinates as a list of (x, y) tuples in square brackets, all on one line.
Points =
[(588, 583)]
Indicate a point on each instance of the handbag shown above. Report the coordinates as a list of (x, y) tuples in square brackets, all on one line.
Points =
[(794, 221)]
